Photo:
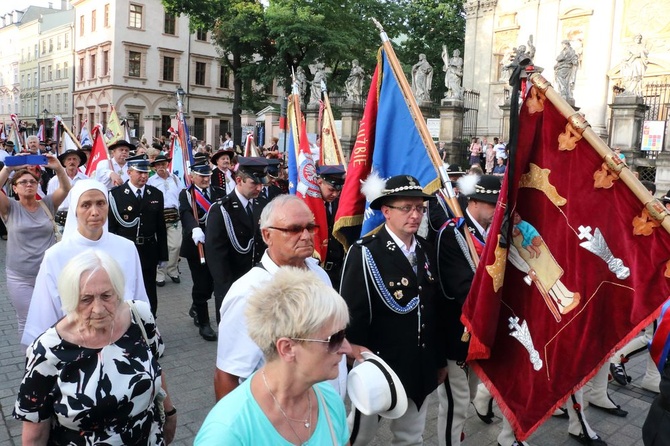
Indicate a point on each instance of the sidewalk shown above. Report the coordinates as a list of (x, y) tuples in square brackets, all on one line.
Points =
[(189, 363)]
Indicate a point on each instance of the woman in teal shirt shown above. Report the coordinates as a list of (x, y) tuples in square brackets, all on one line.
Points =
[(298, 321)]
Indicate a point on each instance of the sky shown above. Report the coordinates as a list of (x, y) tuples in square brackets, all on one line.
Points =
[(6, 6)]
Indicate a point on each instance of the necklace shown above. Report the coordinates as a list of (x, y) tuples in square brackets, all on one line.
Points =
[(306, 422)]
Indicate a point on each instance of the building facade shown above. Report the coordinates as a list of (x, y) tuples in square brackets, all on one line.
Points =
[(600, 32)]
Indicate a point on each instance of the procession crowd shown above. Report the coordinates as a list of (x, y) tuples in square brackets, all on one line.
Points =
[(378, 322)]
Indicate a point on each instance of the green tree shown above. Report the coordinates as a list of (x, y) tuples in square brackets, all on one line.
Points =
[(429, 24), (239, 31)]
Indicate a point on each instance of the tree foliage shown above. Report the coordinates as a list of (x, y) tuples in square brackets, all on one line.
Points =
[(261, 43)]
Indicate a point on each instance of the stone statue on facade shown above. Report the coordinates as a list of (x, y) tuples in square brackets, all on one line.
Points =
[(319, 72), (565, 71), (634, 67), (422, 79), (301, 80), (354, 83), (453, 66)]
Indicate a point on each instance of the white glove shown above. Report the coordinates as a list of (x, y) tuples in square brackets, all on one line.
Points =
[(198, 236), (162, 264)]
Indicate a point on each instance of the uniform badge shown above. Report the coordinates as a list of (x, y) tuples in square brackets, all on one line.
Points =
[(125, 217), (398, 295), (126, 191), (390, 246), (404, 281), (130, 208), (391, 284), (148, 191)]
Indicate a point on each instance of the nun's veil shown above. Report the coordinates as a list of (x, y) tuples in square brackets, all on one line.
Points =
[(76, 192)]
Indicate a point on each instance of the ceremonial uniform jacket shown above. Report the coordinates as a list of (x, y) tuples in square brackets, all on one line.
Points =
[(150, 233), (393, 309), (335, 253), (233, 242), (455, 272), (219, 180), (188, 221)]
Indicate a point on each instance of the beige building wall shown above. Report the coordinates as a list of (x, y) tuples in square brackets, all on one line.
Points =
[(599, 30)]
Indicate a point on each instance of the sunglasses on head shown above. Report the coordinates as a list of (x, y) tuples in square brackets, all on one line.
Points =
[(334, 341)]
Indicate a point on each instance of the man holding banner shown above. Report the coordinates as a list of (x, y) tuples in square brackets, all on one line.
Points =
[(397, 270)]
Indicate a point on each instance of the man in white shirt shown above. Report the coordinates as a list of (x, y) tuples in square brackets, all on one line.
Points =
[(114, 172), (501, 150), (171, 186), (288, 228), (71, 159)]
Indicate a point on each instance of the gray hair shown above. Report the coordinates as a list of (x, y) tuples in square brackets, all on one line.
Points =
[(278, 202), (295, 304), (89, 262), (32, 138)]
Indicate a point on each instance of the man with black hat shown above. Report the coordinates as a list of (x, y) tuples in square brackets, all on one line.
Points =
[(389, 284), (87, 149), (136, 213), (170, 185), (200, 195), (233, 240), (71, 159), (222, 176), (330, 181), (114, 172)]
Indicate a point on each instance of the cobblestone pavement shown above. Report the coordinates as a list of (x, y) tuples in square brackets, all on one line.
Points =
[(189, 363)]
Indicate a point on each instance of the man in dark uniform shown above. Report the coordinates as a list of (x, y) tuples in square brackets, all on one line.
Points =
[(233, 239), (136, 213), (330, 181), (389, 284), (271, 189), (222, 176), (201, 195)]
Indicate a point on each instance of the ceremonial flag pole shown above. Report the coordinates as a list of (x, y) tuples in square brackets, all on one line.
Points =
[(655, 208), (302, 173), (98, 151), (67, 130), (187, 157), (575, 256), (330, 152)]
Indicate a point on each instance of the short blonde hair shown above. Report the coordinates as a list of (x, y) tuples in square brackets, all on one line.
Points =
[(89, 262), (295, 303)]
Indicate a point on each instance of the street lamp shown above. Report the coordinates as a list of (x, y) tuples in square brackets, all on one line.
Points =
[(45, 112), (181, 95)]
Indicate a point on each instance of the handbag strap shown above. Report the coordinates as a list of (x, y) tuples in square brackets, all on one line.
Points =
[(51, 217), (138, 319), (326, 412)]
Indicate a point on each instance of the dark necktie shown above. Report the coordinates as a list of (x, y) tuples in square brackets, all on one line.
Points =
[(412, 260), (139, 194), (205, 194), (250, 212)]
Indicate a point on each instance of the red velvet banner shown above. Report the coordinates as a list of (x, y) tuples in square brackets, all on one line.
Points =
[(579, 270)]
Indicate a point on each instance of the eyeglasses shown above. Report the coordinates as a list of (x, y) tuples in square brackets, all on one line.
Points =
[(296, 229), (27, 182), (421, 209), (334, 341)]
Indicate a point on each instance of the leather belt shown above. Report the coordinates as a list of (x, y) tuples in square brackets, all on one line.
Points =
[(146, 239), (171, 215)]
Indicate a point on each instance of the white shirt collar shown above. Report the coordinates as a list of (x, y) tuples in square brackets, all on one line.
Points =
[(405, 249), (134, 189), (243, 200)]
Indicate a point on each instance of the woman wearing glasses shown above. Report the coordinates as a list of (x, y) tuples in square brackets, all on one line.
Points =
[(30, 228), (298, 322)]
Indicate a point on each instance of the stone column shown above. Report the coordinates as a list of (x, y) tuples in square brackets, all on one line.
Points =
[(505, 121), (351, 120), (312, 118), (627, 120), (452, 112)]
